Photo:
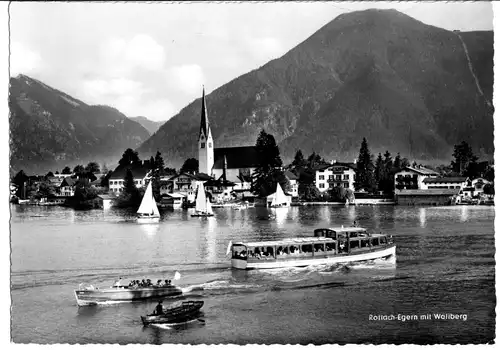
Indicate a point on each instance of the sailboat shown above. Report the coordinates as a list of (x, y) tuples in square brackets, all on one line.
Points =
[(148, 211), (203, 206), (279, 198)]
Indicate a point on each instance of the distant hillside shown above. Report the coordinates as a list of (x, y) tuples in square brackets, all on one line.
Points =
[(380, 74), (150, 125), (50, 129)]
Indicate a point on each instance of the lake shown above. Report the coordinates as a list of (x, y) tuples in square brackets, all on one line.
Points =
[(445, 266)]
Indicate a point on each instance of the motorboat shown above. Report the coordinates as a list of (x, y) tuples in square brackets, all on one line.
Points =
[(90, 295), (327, 246), (177, 313)]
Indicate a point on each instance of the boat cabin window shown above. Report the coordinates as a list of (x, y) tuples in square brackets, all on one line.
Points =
[(354, 244), (365, 243), (330, 247), (383, 240), (294, 249), (239, 252), (319, 248), (307, 248), (282, 250), (374, 242), (322, 232)]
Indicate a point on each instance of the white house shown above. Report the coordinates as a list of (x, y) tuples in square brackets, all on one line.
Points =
[(184, 184), (412, 178), (294, 186), (67, 188), (335, 174), (116, 179)]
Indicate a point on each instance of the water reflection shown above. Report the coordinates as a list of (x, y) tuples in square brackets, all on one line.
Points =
[(150, 229), (422, 216), (280, 216), (351, 214), (464, 213), (211, 240), (324, 214)]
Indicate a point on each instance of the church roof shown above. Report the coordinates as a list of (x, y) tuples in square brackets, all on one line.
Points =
[(204, 125), (236, 157)]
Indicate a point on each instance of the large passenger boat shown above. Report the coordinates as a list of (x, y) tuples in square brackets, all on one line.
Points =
[(329, 245), (89, 295)]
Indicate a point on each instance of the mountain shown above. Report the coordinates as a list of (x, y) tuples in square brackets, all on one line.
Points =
[(50, 129), (149, 125), (404, 85)]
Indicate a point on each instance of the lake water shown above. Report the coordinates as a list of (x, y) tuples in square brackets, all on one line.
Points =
[(445, 264)]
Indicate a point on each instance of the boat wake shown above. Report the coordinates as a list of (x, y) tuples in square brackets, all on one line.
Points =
[(174, 325), (219, 287)]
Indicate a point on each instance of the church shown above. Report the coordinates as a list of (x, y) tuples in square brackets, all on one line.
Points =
[(232, 164)]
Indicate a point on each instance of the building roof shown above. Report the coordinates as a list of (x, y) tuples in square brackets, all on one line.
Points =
[(445, 180), (219, 183), (68, 181), (421, 170), (431, 192), (204, 125), (322, 167), (291, 176), (137, 173), (236, 157)]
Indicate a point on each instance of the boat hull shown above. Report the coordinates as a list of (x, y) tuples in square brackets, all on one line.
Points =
[(201, 215), (85, 297), (313, 260), (148, 220)]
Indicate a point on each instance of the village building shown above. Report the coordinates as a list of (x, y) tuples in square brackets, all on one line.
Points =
[(412, 178), (67, 188), (116, 180), (335, 174), (444, 183), (294, 185), (184, 184)]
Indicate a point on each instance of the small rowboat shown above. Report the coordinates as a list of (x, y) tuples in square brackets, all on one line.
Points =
[(184, 312)]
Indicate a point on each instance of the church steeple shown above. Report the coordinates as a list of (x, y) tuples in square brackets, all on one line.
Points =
[(205, 141), (204, 125)]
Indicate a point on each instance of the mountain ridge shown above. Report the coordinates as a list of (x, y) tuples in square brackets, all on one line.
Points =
[(365, 74), (50, 129)]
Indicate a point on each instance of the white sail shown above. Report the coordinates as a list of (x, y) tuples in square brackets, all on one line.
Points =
[(279, 197), (201, 199), (148, 204)]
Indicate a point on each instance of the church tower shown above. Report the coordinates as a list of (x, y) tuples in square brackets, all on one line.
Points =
[(205, 141)]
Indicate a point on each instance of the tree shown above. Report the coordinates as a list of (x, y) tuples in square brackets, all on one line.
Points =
[(314, 160), (364, 172), (269, 168), (158, 162), (151, 163), (489, 189), (397, 162), (190, 166), (93, 168), (78, 169), (129, 158), (309, 192), (387, 183), (379, 171), (49, 174), (405, 163), (465, 161), (490, 174), (129, 186), (298, 162), (66, 170), (20, 180)]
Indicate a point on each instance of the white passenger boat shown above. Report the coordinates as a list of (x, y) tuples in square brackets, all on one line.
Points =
[(148, 211), (328, 246)]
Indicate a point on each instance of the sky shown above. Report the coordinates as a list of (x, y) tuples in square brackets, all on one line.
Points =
[(152, 59)]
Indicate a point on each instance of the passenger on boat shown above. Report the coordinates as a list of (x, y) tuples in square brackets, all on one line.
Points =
[(159, 283), (143, 283), (159, 308), (118, 283)]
